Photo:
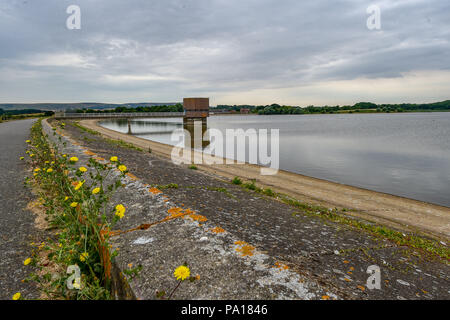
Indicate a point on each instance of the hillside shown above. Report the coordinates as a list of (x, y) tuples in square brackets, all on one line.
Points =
[(82, 105)]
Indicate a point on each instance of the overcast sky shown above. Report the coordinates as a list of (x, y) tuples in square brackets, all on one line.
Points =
[(233, 51)]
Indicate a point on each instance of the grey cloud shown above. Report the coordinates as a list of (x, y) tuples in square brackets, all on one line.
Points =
[(164, 49)]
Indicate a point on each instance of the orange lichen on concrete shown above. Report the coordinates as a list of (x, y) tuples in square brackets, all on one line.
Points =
[(194, 216), (179, 214), (174, 211), (361, 287), (154, 190), (217, 230), (198, 217), (174, 215), (325, 298), (132, 176), (245, 249), (280, 266), (89, 153)]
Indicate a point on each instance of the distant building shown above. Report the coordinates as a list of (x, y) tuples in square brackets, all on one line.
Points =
[(245, 110), (219, 111)]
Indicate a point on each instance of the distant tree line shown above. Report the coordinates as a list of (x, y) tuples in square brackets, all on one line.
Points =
[(159, 108), (22, 113), (363, 107)]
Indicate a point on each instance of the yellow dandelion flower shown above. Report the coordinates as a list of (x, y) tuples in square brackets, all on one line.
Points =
[(84, 256), (28, 141), (182, 272), (114, 159), (66, 198), (21, 158), (73, 159), (37, 170), (120, 211), (74, 204), (27, 261), (82, 169), (16, 296), (96, 190), (47, 162), (122, 168), (64, 155), (79, 185), (50, 170)]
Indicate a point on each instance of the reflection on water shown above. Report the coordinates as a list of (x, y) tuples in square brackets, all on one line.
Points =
[(145, 127), (402, 154)]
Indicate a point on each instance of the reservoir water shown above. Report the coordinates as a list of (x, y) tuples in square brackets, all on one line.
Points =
[(405, 154)]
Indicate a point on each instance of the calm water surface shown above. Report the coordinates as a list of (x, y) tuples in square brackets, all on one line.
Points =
[(402, 154)]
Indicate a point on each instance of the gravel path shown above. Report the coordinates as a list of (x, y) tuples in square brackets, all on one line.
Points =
[(16, 223)]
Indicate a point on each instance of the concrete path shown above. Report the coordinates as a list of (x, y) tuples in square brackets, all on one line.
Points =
[(16, 222), (244, 245)]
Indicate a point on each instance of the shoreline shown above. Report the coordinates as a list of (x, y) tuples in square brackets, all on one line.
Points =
[(393, 211)]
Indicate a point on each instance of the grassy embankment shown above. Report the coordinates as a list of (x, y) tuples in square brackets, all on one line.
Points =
[(74, 200)]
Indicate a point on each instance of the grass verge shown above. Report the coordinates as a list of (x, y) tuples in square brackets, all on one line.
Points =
[(75, 200)]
